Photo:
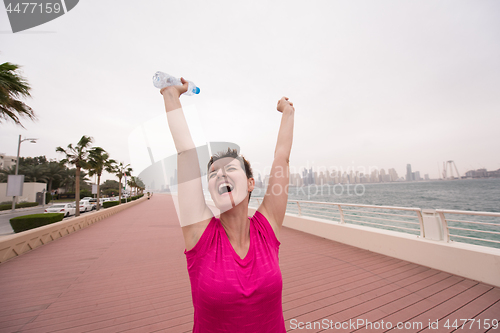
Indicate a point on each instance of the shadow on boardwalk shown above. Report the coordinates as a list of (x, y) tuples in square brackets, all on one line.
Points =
[(128, 273)]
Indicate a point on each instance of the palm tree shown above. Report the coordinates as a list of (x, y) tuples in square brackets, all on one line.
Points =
[(140, 184), (12, 87), (69, 179), (121, 170), (136, 183), (4, 173), (98, 162), (34, 173), (54, 171), (77, 156), (132, 184)]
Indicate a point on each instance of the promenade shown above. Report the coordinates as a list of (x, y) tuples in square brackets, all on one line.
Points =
[(128, 273)]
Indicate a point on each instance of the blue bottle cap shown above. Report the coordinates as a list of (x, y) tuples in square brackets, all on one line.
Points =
[(196, 90)]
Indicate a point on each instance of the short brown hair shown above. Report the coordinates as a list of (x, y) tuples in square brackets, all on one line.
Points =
[(233, 153)]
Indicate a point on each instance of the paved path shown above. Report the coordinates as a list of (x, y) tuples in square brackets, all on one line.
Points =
[(128, 273)]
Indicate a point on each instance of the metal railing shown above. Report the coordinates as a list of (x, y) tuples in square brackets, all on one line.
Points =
[(478, 228), (403, 219)]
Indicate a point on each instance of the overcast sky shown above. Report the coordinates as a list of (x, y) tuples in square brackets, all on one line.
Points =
[(374, 83)]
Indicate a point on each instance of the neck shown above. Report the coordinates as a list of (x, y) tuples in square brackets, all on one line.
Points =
[(236, 223)]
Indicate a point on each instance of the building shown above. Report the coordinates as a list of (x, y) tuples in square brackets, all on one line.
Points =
[(374, 177), (295, 179), (308, 177), (385, 177), (495, 173), (29, 192), (258, 182), (7, 161), (393, 175), (173, 180), (416, 176), (265, 183), (482, 173), (409, 175)]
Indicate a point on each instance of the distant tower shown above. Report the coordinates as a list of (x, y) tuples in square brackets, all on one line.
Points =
[(408, 173), (450, 165), (258, 183)]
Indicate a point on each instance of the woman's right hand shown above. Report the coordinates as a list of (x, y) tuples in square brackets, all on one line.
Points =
[(175, 90), (283, 104)]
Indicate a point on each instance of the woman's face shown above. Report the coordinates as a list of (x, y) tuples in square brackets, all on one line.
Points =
[(228, 183)]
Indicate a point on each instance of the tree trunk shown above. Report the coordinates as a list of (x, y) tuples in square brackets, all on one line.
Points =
[(120, 191), (98, 191), (77, 191)]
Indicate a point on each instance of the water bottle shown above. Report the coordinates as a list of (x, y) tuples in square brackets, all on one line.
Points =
[(162, 80)]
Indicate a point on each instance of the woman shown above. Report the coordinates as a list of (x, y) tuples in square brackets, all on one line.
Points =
[(233, 261)]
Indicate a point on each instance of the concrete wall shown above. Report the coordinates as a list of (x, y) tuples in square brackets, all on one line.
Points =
[(29, 192)]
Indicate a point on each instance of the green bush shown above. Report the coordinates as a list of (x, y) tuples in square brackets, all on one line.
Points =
[(18, 205), (71, 195), (107, 204), (27, 222), (67, 195), (85, 193), (135, 197), (26, 204), (110, 192)]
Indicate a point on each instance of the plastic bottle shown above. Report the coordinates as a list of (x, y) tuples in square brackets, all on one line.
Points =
[(162, 80)]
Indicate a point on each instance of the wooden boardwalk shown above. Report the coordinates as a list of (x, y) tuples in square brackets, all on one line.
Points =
[(128, 274)]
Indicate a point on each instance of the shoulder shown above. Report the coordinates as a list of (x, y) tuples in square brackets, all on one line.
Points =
[(264, 226), (196, 233), (270, 221)]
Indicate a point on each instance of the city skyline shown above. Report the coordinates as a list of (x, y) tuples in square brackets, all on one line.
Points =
[(167, 177), (361, 175)]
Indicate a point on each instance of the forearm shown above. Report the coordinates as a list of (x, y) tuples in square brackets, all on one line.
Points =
[(285, 135), (187, 157), (177, 123)]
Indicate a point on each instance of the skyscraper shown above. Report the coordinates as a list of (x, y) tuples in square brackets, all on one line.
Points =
[(393, 174), (416, 175), (408, 173)]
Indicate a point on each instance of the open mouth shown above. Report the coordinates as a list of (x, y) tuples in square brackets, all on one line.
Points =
[(225, 188)]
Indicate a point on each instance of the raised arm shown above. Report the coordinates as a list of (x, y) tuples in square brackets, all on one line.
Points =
[(273, 206), (194, 213)]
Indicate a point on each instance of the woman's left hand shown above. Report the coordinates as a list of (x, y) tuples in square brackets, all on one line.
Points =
[(283, 104)]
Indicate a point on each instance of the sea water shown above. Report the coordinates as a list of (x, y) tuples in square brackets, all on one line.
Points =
[(464, 194)]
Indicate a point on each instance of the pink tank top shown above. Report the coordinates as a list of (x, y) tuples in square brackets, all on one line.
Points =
[(231, 294)]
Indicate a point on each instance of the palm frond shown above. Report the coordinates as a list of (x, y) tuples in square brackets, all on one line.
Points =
[(12, 87)]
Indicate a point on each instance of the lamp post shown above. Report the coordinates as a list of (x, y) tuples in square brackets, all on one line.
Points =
[(17, 164)]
